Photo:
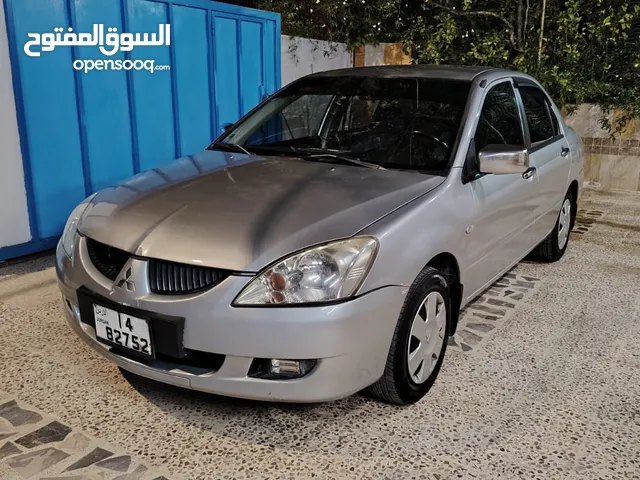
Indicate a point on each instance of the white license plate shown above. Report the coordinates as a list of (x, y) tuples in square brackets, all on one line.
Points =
[(123, 330)]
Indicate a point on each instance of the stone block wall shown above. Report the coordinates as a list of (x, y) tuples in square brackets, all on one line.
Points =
[(302, 56), (381, 54), (610, 163)]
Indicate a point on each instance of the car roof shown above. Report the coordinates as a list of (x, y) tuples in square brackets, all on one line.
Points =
[(442, 72)]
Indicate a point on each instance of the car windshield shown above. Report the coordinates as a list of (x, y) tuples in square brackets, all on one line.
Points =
[(394, 123)]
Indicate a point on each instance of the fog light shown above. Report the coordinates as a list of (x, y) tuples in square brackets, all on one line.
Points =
[(285, 367), (277, 369), (73, 308)]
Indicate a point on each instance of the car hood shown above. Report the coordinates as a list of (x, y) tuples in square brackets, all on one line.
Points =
[(241, 212)]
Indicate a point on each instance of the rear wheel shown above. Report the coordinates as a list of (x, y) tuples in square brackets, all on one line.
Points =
[(419, 341), (553, 247)]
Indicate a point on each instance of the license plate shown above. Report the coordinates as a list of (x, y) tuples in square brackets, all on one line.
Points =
[(123, 330)]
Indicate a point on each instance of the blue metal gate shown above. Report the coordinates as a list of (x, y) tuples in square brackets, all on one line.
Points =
[(81, 132)]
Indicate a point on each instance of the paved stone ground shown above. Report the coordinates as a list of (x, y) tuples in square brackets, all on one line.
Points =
[(542, 381), (37, 445)]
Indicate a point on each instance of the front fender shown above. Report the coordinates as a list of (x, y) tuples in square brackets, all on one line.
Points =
[(414, 234)]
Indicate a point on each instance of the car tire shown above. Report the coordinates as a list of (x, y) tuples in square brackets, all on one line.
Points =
[(553, 247), (403, 382)]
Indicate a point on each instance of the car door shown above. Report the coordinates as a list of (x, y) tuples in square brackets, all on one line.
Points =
[(503, 204), (548, 155)]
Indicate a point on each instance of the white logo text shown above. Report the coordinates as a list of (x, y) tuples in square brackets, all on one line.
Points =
[(108, 44)]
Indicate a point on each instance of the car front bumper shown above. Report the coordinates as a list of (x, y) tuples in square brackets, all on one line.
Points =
[(349, 340)]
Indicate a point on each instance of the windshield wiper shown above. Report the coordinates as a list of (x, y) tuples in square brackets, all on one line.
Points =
[(233, 146), (315, 153), (337, 155), (342, 158)]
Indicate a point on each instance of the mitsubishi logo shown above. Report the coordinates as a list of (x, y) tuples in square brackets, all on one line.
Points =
[(125, 280)]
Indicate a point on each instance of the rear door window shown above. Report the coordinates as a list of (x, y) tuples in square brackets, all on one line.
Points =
[(539, 114)]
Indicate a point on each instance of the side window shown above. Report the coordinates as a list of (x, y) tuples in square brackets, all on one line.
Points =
[(299, 119), (499, 121), (539, 114), (302, 118)]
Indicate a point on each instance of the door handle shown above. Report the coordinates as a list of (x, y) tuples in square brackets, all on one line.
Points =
[(529, 172), (565, 151)]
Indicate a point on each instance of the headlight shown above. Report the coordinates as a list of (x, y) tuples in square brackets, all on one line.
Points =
[(319, 274), (71, 227)]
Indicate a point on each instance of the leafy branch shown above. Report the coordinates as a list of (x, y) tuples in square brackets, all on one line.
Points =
[(512, 37)]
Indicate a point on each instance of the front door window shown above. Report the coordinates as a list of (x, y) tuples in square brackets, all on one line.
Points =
[(499, 122)]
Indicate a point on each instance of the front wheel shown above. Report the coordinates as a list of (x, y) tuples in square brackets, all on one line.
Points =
[(419, 341), (553, 247)]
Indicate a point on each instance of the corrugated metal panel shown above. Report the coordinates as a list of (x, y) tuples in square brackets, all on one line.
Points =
[(81, 132)]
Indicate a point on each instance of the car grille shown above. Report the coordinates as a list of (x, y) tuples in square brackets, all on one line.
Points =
[(108, 260), (168, 278), (165, 278)]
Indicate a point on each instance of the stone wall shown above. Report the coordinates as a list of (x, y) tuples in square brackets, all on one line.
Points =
[(611, 164), (381, 54), (302, 56)]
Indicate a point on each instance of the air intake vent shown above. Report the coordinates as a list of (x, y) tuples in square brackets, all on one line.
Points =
[(167, 278), (108, 260)]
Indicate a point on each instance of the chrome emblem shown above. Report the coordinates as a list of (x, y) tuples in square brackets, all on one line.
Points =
[(125, 280)]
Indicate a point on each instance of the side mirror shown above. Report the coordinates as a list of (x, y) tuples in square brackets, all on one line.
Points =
[(226, 126), (503, 159)]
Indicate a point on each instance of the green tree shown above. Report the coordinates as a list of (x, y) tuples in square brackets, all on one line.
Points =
[(581, 50)]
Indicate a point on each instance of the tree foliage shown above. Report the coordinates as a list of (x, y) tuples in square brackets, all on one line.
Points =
[(581, 50)]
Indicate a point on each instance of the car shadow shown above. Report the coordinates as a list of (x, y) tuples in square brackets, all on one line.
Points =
[(310, 426), (28, 264)]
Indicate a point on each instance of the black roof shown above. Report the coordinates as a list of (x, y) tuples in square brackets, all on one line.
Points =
[(452, 72)]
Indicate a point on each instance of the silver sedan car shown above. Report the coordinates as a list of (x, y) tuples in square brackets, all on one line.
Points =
[(326, 242)]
